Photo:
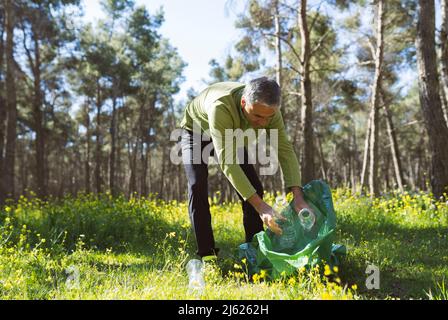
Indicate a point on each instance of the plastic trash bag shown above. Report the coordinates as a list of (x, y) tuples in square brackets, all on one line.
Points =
[(297, 247)]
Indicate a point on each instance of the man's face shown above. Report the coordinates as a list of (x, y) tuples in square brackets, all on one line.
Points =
[(258, 114)]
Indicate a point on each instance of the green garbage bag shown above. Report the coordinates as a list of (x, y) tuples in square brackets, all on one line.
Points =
[(297, 247)]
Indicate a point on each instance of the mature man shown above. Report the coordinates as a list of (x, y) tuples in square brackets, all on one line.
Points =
[(233, 105)]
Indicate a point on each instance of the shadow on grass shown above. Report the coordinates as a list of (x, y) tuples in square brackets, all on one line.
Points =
[(409, 259)]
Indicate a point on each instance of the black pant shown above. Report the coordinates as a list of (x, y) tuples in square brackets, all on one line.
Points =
[(198, 206)]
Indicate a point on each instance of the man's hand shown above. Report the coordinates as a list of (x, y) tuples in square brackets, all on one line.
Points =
[(299, 201), (268, 217), (267, 214)]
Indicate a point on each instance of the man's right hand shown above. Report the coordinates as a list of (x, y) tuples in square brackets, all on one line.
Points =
[(267, 214)]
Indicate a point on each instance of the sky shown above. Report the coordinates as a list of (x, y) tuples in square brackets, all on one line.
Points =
[(201, 30)]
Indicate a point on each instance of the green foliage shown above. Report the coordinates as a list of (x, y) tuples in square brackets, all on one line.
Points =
[(232, 70)]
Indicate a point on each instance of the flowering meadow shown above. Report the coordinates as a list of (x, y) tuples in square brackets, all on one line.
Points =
[(100, 247)]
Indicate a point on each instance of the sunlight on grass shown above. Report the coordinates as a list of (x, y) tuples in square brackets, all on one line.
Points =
[(92, 247)]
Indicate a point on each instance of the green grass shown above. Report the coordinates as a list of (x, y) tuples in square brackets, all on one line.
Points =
[(138, 248)]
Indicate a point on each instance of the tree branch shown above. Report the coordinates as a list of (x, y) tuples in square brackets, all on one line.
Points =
[(323, 69), (366, 63), (294, 93), (372, 46), (291, 46), (28, 53), (315, 17), (295, 69), (319, 43)]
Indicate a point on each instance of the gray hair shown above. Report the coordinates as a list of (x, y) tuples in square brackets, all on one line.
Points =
[(262, 90)]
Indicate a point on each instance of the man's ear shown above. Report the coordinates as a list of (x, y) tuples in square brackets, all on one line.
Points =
[(243, 102)]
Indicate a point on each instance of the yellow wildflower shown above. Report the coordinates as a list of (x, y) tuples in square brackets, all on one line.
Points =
[(256, 278), (327, 270), (326, 296)]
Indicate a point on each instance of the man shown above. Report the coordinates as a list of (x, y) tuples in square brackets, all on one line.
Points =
[(232, 105)]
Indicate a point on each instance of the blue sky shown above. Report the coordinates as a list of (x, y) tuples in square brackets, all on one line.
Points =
[(201, 30)]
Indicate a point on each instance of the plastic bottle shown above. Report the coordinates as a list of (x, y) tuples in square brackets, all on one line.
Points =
[(196, 282), (307, 219), (280, 204), (288, 237)]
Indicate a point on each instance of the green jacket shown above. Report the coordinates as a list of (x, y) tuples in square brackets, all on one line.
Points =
[(218, 108)]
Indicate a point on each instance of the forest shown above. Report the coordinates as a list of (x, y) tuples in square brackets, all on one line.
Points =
[(87, 110)]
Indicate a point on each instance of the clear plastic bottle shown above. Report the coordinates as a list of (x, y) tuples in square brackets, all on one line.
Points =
[(307, 219), (288, 237), (196, 282), (280, 204)]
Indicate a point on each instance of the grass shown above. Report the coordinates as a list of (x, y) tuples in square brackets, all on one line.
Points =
[(92, 247)]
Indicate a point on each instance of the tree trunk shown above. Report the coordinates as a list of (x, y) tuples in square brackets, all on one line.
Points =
[(365, 160), (2, 98), (150, 176), (279, 66), (430, 97), (38, 122), (420, 180), (322, 159), (61, 174), (133, 167), (143, 139), (23, 163), (162, 176), (113, 151), (98, 140), (144, 168), (296, 141), (374, 136), (2, 135), (119, 181), (444, 101), (11, 105), (87, 159), (354, 158), (352, 173), (344, 176), (307, 155), (278, 44), (396, 158), (411, 174), (444, 53), (386, 167)]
